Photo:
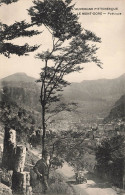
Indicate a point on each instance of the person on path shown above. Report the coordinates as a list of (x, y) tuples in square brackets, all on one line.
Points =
[(41, 169)]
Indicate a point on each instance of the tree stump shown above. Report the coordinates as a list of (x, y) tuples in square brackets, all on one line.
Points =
[(9, 149), (21, 183), (20, 158), (29, 190)]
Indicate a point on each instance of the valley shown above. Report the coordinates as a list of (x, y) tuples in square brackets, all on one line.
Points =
[(97, 116)]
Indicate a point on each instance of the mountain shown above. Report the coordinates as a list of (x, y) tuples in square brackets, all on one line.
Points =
[(118, 110), (18, 77), (23, 90), (101, 89), (95, 98)]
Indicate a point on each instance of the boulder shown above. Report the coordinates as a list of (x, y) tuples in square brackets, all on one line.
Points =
[(5, 190)]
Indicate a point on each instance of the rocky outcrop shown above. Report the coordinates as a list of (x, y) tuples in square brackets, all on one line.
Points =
[(8, 158), (13, 162)]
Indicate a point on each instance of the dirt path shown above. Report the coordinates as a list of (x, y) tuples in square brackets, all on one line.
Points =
[(35, 152), (91, 188)]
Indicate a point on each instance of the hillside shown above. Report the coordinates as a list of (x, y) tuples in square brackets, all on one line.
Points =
[(102, 89), (95, 98), (118, 110)]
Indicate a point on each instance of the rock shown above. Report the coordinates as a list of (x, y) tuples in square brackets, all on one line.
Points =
[(6, 177), (20, 158), (5, 190), (9, 149)]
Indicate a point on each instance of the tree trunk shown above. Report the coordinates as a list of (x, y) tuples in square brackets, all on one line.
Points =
[(20, 158), (43, 103), (9, 149), (44, 128), (124, 177), (0, 175)]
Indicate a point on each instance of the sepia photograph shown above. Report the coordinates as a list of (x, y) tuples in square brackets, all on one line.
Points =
[(62, 97)]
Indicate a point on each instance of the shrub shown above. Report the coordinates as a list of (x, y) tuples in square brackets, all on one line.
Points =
[(57, 185), (110, 160)]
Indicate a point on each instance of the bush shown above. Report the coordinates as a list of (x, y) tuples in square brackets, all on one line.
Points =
[(57, 185), (110, 160)]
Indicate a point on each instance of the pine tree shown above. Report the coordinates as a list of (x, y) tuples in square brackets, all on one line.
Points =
[(7, 1), (8, 33)]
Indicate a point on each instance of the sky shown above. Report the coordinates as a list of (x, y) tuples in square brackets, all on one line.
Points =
[(106, 18)]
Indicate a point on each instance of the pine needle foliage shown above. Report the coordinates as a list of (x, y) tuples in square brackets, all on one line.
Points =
[(11, 32)]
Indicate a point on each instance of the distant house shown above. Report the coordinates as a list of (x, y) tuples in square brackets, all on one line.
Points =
[(109, 127), (110, 133), (88, 141), (122, 132), (98, 134), (89, 134), (100, 127), (98, 141), (94, 127)]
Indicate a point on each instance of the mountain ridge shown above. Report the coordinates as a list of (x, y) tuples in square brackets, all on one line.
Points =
[(95, 98), (24, 75), (19, 76)]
